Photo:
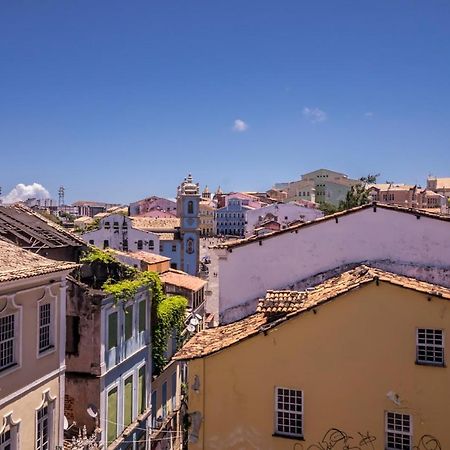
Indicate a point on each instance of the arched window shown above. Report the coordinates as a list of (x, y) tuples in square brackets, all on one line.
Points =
[(190, 207)]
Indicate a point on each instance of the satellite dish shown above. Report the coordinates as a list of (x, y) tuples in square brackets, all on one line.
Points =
[(194, 321), (66, 423), (92, 411), (190, 328)]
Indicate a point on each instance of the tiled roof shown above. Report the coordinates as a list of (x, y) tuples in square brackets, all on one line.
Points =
[(151, 258), (290, 229), (279, 306), (19, 223), (17, 263), (182, 280), (443, 183), (166, 236), (154, 224)]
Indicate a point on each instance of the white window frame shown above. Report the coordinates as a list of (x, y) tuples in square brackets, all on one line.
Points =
[(121, 404), (12, 426), (400, 433), (295, 414), (49, 402), (48, 299), (112, 386), (432, 346), (10, 308)]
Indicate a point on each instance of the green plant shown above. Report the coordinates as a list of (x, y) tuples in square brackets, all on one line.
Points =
[(170, 315)]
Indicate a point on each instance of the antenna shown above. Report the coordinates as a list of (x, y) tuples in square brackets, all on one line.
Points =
[(92, 411), (61, 196)]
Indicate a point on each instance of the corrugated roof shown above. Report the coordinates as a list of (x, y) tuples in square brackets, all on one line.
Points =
[(279, 306), (17, 263), (21, 224)]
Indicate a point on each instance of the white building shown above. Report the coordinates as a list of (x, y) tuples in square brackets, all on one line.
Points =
[(282, 213), (118, 232), (400, 240)]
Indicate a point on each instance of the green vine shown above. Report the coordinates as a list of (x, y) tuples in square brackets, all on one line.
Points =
[(123, 283), (171, 313)]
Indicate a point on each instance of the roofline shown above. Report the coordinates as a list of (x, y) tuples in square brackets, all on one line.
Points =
[(335, 216), (265, 328)]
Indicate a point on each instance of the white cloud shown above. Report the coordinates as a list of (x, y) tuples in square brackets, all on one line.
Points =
[(314, 115), (240, 126), (368, 114), (23, 192)]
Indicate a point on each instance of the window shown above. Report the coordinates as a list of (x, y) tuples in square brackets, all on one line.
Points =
[(107, 226), (45, 319), (289, 412), (91, 241), (190, 207), (128, 322), (128, 401), (105, 243), (5, 440), (7, 341), (139, 245), (142, 315), (164, 400), (151, 244), (430, 346), (141, 390), (116, 225), (112, 330), (174, 248), (398, 431), (72, 334), (153, 409), (42, 429), (125, 245), (161, 248), (174, 390), (112, 415)]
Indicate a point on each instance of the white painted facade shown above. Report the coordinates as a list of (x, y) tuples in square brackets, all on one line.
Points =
[(116, 231), (393, 239), (286, 213)]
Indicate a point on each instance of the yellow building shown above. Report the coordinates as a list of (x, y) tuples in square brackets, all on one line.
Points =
[(207, 210), (356, 363), (32, 349)]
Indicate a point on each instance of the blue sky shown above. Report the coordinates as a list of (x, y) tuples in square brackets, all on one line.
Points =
[(118, 100)]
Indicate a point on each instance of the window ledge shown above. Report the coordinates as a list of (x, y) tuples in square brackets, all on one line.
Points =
[(9, 369), (287, 436), (422, 363), (47, 351)]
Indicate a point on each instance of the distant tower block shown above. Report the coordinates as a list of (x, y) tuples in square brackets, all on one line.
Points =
[(61, 196)]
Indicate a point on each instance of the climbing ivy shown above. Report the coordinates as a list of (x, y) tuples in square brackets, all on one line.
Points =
[(168, 313), (171, 314)]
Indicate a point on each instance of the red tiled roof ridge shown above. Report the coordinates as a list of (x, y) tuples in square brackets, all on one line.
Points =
[(268, 315), (296, 226)]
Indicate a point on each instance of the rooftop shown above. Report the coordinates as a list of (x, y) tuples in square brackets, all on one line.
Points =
[(29, 229), (182, 280), (17, 263), (151, 258), (155, 223), (279, 306)]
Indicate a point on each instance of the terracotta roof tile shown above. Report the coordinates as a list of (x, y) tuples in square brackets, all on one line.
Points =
[(182, 280), (154, 223), (17, 263), (278, 306)]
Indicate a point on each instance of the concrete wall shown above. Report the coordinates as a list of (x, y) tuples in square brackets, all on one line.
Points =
[(345, 358), (248, 271)]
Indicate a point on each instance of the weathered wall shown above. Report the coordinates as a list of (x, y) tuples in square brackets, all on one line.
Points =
[(345, 358), (401, 238)]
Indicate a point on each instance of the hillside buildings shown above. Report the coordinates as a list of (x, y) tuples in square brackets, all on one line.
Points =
[(368, 369), (411, 196), (32, 349), (320, 186), (176, 238)]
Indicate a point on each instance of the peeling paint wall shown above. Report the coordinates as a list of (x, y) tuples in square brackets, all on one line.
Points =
[(413, 245)]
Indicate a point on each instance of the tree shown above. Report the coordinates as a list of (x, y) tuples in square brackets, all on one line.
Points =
[(359, 193)]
